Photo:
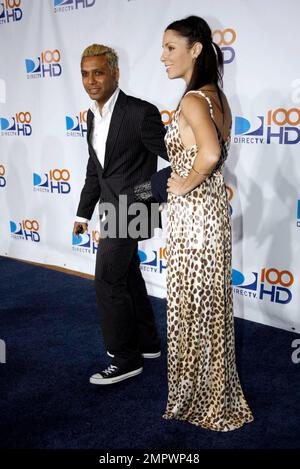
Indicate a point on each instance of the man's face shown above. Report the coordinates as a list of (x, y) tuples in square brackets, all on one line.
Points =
[(98, 79)]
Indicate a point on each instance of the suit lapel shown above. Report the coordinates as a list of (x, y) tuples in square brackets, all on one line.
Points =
[(114, 128), (90, 118)]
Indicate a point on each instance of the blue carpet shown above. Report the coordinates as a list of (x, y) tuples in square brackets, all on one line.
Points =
[(49, 322)]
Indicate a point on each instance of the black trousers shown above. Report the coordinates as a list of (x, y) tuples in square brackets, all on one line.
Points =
[(126, 315)]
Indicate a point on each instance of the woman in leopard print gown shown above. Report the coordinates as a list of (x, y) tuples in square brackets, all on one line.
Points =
[(204, 386)]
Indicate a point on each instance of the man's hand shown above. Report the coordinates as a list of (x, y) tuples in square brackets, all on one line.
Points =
[(79, 228)]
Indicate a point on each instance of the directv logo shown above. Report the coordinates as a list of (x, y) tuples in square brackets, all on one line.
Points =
[(279, 126), (86, 242), (69, 5), (10, 13), (270, 284), (47, 64), (16, 125), (27, 230), (76, 125), (53, 181), (243, 127), (155, 261)]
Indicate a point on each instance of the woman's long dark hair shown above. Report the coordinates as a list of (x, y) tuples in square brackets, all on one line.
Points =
[(208, 66)]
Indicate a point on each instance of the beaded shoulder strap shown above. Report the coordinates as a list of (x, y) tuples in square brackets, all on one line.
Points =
[(211, 112)]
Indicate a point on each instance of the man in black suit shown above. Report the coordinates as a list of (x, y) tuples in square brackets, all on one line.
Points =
[(124, 136)]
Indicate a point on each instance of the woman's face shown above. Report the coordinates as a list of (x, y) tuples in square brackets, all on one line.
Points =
[(177, 56)]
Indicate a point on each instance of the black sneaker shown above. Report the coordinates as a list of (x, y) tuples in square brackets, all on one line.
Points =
[(145, 354), (114, 374)]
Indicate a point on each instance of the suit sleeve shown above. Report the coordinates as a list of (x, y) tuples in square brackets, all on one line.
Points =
[(90, 193), (153, 132)]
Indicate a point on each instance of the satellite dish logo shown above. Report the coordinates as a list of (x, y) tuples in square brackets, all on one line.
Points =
[(243, 127), (53, 181), (76, 125), (278, 126), (47, 64), (2, 174), (86, 243), (69, 5), (26, 230), (10, 11), (155, 261), (18, 125)]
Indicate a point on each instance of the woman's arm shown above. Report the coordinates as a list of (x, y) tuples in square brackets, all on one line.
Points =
[(195, 112)]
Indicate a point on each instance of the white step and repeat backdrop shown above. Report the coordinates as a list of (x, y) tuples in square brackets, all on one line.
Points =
[(43, 128)]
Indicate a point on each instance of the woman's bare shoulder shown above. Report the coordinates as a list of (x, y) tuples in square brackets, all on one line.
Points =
[(194, 101)]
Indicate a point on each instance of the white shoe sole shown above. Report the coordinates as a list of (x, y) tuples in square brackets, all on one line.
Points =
[(97, 379), (145, 355), (152, 355)]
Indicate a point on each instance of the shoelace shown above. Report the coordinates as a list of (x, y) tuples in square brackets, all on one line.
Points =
[(109, 370)]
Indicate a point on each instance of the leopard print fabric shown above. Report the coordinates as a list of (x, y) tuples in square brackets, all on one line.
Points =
[(204, 386)]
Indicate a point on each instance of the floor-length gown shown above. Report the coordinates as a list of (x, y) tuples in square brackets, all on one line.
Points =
[(204, 387)]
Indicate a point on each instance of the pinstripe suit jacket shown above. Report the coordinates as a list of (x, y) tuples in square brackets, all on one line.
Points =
[(135, 138)]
